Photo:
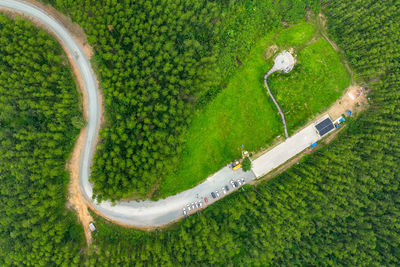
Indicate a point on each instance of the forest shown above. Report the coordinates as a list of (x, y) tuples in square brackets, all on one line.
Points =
[(157, 62), (338, 207), (40, 119)]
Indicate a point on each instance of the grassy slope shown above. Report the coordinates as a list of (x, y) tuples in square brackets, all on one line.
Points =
[(295, 35), (316, 81), (243, 114), (239, 115)]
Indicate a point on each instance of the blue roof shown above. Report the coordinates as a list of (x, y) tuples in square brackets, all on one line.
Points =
[(313, 144), (324, 126)]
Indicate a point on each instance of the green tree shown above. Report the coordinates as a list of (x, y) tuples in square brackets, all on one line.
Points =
[(246, 164)]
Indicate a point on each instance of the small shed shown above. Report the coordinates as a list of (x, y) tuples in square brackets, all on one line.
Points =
[(325, 126)]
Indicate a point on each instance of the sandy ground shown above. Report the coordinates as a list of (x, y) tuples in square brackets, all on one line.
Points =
[(354, 99), (75, 197)]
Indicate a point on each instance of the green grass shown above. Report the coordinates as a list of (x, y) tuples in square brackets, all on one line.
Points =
[(240, 114), (243, 113), (296, 35), (316, 81)]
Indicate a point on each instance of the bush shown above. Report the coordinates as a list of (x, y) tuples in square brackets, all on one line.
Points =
[(246, 164)]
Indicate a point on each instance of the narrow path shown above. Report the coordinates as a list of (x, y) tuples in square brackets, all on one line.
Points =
[(283, 62), (276, 103)]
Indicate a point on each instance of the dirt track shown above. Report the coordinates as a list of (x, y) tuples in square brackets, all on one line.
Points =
[(75, 197), (74, 193)]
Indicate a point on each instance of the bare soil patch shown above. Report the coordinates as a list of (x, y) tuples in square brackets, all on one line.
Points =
[(270, 51), (354, 99), (322, 22), (75, 196), (323, 19), (334, 46)]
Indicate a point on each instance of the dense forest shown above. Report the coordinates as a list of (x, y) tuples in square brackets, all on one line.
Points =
[(39, 122), (158, 61), (338, 207)]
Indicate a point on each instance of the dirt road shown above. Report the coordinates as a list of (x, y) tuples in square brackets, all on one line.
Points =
[(75, 50)]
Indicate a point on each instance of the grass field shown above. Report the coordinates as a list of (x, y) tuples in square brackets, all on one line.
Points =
[(316, 81), (295, 35), (243, 113)]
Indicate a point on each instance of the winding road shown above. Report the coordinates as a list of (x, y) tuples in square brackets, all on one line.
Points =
[(148, 213)]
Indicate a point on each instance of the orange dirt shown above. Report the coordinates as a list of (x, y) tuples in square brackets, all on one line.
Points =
[(75, 196), (353, 99)]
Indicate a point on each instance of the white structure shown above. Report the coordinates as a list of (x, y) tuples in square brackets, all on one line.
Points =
[(283, 62), (92, 227)]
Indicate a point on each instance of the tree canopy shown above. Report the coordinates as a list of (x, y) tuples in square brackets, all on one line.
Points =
[(39, 122), (158, 61), (338, 207)]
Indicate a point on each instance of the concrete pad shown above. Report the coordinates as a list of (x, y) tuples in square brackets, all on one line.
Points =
[(285, 151)]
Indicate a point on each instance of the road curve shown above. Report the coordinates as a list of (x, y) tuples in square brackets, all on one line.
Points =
[(87, 75), (148, 213)]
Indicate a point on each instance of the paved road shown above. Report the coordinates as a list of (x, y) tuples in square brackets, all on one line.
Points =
[(148, 213), (285, 151), (85, 69)]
